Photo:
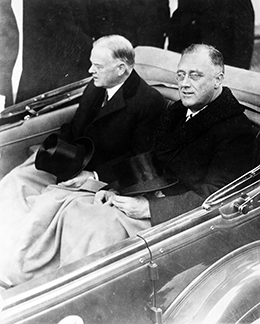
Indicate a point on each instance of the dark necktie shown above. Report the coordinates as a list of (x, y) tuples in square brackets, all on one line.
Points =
[(105, 100), (188, 117)]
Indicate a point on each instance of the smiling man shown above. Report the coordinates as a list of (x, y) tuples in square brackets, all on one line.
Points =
[(204, 141), (199, 79)]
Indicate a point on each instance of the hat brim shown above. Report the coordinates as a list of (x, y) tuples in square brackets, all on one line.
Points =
[(140, 174), (143, 187)]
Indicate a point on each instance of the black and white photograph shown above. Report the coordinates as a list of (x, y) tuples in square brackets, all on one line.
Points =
[(130, 161)]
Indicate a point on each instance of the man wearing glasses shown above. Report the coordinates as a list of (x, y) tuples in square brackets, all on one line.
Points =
[(204, 140)]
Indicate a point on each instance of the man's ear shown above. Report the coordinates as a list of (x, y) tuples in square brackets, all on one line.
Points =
[(121, 69), (219, 79)]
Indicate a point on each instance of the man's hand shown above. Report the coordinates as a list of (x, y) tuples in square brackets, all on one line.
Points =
[(79, 180), (104, 197), (134, 207)]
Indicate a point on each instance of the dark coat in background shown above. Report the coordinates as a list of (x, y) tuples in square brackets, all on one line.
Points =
[(122, 128), (56, 45), (226, 24), (143, 22), (205, 153)]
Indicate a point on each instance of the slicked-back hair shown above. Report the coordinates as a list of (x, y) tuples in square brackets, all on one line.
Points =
[(215, 55), (120, 47)]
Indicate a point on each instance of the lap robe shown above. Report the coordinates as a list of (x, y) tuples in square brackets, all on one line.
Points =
[(44, 227)]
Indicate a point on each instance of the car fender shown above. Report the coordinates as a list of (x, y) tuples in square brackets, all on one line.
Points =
[(226, 292)]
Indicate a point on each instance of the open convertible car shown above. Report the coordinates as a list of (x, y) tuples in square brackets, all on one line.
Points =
[(201, 267)]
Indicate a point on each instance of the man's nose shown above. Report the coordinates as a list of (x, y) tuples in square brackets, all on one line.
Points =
[(91, 69), (186, 81)]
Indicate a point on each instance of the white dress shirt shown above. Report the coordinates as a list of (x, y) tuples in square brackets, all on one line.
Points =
[(112, 91), (190, 114)]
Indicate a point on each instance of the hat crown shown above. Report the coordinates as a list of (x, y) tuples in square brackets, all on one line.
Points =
[(140, 174), (64, 160)]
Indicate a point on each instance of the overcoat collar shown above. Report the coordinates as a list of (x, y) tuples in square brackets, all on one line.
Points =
[(171, 136), (117, 102)]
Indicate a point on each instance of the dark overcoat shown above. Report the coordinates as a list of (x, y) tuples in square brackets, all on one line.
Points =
[(56, 45), (226, 24), (143, 22), (122, 128), (205, 153)]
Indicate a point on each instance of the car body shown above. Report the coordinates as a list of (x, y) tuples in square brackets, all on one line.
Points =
[(200, 267)]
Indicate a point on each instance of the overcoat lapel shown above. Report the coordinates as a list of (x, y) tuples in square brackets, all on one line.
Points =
[(118, 101), (90, 107), (173, 138)]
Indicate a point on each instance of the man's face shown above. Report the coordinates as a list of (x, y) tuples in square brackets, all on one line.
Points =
[(104, 68), (197, 81)]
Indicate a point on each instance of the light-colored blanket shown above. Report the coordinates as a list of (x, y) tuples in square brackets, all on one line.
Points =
[(45, 226)]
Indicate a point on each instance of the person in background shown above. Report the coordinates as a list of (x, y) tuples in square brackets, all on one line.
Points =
[(8, 51), (54, 41), (143, 22), (227, 25), (56, 45)]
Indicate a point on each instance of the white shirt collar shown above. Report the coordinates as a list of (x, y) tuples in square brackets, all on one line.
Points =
[(112, 91), (191, 114)]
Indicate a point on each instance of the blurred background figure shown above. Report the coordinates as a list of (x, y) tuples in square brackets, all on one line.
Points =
[(54, 45), (8, 51), (143, 22), (226, 24)]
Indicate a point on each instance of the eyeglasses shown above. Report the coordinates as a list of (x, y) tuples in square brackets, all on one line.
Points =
[(194, 75)]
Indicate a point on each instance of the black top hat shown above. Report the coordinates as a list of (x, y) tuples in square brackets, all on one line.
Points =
[(139, 174), (63, 159)]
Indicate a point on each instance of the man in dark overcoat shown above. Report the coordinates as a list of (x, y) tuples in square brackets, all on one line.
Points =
[(203, 152), (119, 112), (124, 126)]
